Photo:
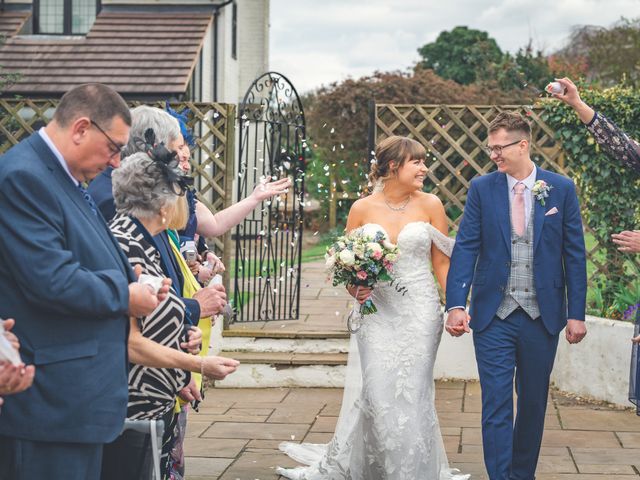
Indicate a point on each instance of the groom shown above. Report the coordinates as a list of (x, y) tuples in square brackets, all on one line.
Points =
[(521, 247)]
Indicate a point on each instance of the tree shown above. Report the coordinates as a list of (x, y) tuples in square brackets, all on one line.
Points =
[(612, 54), (460, 55), (338, 120)]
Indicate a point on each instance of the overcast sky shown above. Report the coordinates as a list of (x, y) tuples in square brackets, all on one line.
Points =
[(315, 42)]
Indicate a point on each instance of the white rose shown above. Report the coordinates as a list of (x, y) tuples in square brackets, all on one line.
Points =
[(347, 257), (330, 261), (374, 247), (341, 245)]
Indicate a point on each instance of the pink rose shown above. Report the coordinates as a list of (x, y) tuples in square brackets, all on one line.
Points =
[(377, 255), (387, 265), (362, 275)]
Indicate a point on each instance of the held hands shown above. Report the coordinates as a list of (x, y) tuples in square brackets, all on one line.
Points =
[(142, 299), (265, 190), (218, 367), (629, 241), (457, 322), (359, 293), (575, 331), (212, 300)]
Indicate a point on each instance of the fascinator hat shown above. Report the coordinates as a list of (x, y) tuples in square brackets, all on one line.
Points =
[(183, 119), (165, 161)]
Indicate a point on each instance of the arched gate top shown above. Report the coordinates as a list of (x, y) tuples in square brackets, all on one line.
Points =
[(272, 98)]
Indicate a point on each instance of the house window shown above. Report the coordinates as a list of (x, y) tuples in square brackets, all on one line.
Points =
[(64, 17), (234, 31)]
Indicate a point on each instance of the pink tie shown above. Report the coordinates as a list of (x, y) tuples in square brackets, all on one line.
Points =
[(517, 209)]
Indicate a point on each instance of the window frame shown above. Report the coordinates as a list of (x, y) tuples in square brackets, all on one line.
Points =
[(67, 20)]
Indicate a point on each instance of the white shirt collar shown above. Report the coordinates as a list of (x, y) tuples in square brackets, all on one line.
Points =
[(58, 155), (528, 182)]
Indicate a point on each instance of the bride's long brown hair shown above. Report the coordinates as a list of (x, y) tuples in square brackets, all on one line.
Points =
[(395, 149)]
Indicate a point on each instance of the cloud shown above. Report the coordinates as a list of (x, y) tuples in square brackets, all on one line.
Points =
[(316, 42)]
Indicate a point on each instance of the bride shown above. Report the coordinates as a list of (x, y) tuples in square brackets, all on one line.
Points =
[(388, 427)]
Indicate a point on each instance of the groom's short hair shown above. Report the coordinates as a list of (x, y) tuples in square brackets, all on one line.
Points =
[(511, 122)]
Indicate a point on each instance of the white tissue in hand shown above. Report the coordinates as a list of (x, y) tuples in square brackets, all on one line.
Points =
[(7, 352), (153, 282)]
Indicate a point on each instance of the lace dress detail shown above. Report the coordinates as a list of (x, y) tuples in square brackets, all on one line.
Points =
[(388, 427)]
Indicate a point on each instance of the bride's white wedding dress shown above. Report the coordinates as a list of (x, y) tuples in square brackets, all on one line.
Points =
[(388, 427)]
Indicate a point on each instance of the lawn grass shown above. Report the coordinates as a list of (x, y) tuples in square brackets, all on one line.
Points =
[(311, 253)]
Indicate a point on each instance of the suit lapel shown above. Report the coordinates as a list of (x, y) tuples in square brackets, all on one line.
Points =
[(72, 191), (501, 202), (538, 212)]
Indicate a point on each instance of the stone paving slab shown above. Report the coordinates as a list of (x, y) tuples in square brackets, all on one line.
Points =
[(323, 308), (236, 436)]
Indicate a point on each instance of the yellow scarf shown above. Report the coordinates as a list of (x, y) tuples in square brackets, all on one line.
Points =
[(191, 286)]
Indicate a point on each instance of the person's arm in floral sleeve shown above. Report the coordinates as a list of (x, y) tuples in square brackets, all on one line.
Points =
[(611, 139)]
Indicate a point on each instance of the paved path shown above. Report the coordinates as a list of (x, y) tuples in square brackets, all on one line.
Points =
[(236, 433), (323, 307)]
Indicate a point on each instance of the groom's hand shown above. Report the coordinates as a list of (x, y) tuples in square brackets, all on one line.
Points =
[(457, 322), (575, 331)]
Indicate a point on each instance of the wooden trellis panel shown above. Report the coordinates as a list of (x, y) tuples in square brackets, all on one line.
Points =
[(453, 136)]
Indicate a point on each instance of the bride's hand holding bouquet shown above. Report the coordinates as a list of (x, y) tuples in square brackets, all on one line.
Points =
[(360, 261)]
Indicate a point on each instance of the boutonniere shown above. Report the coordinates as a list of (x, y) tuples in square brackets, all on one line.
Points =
[(541, 190)]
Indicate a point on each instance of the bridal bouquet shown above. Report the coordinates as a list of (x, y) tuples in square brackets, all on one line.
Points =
[(362, 260)]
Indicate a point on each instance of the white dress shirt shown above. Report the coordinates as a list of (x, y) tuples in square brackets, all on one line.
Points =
[(58, 155)]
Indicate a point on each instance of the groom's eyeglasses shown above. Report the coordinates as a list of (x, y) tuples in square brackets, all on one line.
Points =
[(497, 149)]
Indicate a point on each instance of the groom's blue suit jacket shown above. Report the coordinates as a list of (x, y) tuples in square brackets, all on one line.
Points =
[(65, 281), (482, 253)]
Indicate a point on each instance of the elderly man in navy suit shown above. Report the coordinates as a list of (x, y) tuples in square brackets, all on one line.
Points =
[(520, 247), (71, 288)]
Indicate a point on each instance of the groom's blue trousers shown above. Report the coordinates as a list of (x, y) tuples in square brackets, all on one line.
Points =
[(521, 346)]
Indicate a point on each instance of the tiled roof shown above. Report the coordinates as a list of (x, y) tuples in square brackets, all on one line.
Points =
[(12, 22), (135, 53)]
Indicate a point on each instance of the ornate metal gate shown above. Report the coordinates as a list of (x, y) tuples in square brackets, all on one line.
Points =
[(269, 241)]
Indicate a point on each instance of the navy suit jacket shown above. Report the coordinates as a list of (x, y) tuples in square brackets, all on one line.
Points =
[(65, 281), (101, 190), (482, 253)]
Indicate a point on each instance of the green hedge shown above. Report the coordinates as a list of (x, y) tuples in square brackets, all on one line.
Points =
[(608, 190)]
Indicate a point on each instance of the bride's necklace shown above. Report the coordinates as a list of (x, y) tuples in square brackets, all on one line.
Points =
[(400, 208)]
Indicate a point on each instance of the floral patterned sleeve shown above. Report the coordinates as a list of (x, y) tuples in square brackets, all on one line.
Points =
[(615, 142)]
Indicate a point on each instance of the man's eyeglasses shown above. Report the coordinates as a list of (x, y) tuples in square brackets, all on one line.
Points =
[(497, 149), (116, 148)]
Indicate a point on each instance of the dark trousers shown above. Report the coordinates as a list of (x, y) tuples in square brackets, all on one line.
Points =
[(129, 456), (522, 346), (30, 460)]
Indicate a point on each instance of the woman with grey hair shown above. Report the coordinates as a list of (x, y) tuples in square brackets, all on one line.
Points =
[(146, 188)]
